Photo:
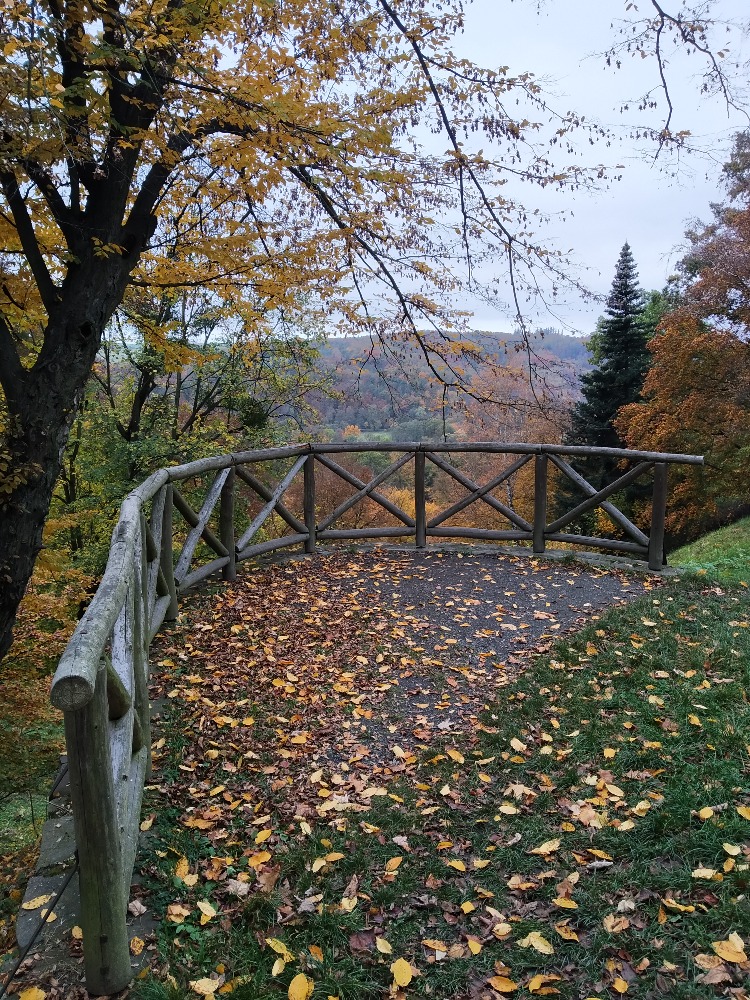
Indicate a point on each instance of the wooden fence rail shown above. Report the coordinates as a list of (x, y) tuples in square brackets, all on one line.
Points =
[(101, 683)]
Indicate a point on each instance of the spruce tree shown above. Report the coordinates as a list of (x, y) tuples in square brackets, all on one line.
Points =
[(622, 359)]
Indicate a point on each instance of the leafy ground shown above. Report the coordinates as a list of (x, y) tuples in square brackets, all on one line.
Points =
[(347, 805), (724, 554)]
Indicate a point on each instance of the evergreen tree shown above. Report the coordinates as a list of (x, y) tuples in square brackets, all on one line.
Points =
[(621, 362)]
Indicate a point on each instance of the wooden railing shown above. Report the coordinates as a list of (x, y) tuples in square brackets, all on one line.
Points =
[(101, 683)]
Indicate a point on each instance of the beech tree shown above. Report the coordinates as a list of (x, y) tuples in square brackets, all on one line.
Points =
[(264, 146), (696, 395)]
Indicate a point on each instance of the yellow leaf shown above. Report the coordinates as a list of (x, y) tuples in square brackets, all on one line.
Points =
[(182, 868), (458, 865), (207, 911), (694, 721), (137, 945), (401, 971), (591, 649), (146, 824), (32, 993), (707, 812), (280, 948), (609, 753), (204, 987), (475, 945), (480, 863), (707, 873), (36, 902), (435, 944), (467, 906), (262, 836), (383, 946), (278, 967), (548, 847), (76, 933), (620, 985), (744, 811), (190, 880), (301, 987), (455, 755), (536, 941), (517, 744), (731, 950), (566, 904), (392, 864), (565, 932), (316, 952), (501, 984), (732, 849)]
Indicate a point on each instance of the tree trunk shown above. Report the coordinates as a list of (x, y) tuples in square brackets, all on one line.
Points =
[(41, 417)]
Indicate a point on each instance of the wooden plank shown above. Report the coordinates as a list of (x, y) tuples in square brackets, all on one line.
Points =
[(488, 534), (200, 529), (141, 638), (103, 894), (612, 544), (594, 500), (354, 533), (153, 537), (479, 494), (658, 518), (132, 813), (75, 677), (420, 508), (158, 614), (365, 491), (491, 501), (202, 573), (265, 493), (275, 543), (360, 484), (540, 502), (118, 698), (617, 515), (267, 510), (645, 456), (166, 559), (309, 503), (226, 527), (121, 729), (193, 519)]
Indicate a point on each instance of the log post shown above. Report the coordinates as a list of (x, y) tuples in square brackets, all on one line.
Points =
[(103, 893), (167, 564), (540, 502), (420, 509), (226, 526), (309, 502), (658, 518)]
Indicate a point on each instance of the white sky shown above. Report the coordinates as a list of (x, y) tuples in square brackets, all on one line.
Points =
[(557, 41)]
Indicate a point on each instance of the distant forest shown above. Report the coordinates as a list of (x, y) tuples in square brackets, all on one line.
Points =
[(393, 397)]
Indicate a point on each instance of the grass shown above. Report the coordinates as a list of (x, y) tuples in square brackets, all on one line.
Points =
[(723, 554), (590, 837)]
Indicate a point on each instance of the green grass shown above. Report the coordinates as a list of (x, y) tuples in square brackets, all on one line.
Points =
[(613, 744), (723, 554)]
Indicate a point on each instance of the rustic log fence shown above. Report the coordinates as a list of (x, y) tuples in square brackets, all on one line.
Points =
[(101, 683)]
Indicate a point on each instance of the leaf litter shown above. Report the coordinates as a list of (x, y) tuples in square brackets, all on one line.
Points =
[(380, 811)]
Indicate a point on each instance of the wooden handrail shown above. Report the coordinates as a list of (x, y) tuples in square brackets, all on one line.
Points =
[(101, 682)]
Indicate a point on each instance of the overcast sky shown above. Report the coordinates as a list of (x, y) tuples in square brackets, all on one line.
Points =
[(558, 40)]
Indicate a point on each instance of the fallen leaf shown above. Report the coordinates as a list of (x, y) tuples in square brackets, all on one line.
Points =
[(501, 984), (536, 941), (731, 950), (401, 971), (548, 847), (301, 987)]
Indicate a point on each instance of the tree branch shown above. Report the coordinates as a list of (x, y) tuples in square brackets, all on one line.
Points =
[(12, 372), (25, 229)]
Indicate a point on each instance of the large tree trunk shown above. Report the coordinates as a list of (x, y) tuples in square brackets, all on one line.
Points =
[(42, 412)]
